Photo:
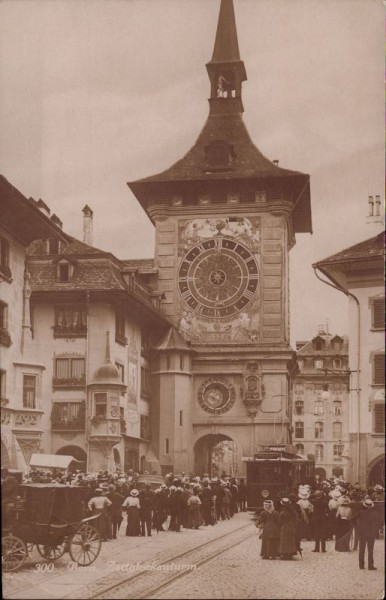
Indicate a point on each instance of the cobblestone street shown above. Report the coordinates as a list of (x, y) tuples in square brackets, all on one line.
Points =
[(238, 572)]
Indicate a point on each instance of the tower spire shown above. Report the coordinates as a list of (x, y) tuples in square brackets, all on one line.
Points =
[(226, 71), (226, 47)]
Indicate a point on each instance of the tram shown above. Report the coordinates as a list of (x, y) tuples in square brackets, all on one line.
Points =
[(274, 473)]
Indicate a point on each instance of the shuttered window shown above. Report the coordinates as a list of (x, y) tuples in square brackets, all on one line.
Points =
[(378, 313), (379, 369), (379, 418)]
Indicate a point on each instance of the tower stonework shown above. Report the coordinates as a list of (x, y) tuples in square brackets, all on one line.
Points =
[(225, 219)]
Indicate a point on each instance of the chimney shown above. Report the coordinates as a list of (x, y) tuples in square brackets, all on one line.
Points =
[(371, 206), (87, 225), (57, 221), (276, 162), (377, 206), (321, 330), (42, 206)]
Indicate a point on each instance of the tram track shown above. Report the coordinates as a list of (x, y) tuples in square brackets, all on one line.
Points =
[(148, 583)]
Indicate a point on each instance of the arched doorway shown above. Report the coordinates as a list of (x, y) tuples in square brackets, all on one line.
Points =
[(215, 454), (377, 472), (78, 453), (131, 460), (5, 459)]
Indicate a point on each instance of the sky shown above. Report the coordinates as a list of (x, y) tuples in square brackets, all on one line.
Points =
[(96, 93)]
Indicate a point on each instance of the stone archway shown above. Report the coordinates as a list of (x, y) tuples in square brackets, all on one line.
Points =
[(215, 454), (377, 472), (78, 453)]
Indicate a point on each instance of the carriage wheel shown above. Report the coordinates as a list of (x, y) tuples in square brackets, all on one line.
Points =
[(85, 545), (13, 553), (52, 552)]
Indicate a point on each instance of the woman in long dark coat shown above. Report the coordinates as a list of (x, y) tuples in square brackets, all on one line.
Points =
[(288, 524), (195, 517), (268, 521)]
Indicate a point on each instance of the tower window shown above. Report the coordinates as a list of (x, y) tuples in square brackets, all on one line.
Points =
[(219, 155)]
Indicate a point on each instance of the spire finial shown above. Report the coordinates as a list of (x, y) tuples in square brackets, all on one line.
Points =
[(226, 47)]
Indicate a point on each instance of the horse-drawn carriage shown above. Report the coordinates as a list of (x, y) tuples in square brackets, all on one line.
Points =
[(52, 518)]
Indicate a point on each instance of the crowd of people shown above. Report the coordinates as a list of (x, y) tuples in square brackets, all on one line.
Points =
[(332, 510), (329, 510), (180, 502)]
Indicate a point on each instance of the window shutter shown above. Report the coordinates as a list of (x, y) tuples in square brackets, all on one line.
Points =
[(379, 418), (379, 313), (379, 369)]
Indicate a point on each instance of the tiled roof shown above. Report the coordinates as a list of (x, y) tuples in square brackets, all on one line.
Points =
[(97, 275), (309, 350), (373, 247), (173, 341), (248, 161)]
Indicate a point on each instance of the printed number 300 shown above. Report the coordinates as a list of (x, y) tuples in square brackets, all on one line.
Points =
[(45, 567)]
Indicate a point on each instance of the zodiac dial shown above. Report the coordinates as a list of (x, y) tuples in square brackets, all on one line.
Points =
[(218, 277), (216, 396)]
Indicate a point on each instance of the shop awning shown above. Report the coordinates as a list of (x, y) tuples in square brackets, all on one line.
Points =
[(51, 461)]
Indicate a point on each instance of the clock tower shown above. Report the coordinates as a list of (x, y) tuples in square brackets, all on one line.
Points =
[(225, 219)]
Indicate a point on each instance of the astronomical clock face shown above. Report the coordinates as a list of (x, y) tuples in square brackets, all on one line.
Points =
[(218, 277), (216, 396)]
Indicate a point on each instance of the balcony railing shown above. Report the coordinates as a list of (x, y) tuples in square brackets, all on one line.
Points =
[(69, 382), (70, 331), (63, 422)]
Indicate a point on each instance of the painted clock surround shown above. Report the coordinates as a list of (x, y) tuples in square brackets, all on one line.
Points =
[(218, 279)]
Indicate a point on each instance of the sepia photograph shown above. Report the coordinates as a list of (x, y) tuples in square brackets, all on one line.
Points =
[(192, 304)]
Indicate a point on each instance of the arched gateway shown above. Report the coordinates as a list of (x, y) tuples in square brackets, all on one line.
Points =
[(78, 453), (215, 454), (377, 472)]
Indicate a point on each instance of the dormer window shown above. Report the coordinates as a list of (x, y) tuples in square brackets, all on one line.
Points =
[(337, 343), (219, 155), (53, 246), (64, 270)]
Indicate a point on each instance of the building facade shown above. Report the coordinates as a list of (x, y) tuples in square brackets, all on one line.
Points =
[(76, 332), (320, 405), (21, 370), (225, 219), (358, 271)]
